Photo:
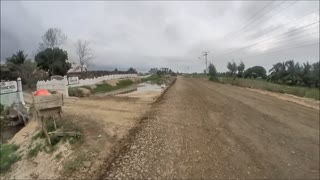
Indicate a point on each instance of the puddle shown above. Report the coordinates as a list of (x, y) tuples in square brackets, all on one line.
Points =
[(144, 87)]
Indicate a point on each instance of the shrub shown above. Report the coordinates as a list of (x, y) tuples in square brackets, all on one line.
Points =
[(8, 156), (75, 92)]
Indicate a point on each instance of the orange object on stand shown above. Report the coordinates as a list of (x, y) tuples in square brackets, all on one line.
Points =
[(42, 92)]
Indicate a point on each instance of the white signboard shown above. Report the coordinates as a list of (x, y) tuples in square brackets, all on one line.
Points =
[(73, 80), (8, 87)]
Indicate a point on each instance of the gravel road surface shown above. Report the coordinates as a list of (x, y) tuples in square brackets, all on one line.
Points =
[(202, 129)]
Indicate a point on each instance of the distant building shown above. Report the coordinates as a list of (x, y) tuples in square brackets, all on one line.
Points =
[(165, 70), (77, 68)]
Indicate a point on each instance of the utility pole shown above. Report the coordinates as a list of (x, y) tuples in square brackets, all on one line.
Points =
[(205, 54)]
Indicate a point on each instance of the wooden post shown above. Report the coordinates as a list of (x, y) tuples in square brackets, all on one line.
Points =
[(44, 128)]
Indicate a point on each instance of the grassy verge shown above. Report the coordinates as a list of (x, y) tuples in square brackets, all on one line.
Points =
[(101, 88), (154, 79), (312, 93), (65, 126), (8, 156)]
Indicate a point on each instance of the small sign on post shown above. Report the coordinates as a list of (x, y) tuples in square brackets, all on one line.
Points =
[(8, 87), (73, 80)]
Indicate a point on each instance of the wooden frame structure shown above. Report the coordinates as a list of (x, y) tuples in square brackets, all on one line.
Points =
[(46, 106)]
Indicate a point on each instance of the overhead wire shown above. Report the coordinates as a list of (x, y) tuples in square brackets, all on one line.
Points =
[(278, 5), (305, 45), (252, 17), (293, 37), (267, 18), (294, 30)]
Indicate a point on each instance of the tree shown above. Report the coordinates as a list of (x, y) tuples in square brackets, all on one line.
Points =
[(52, 38), (15, 63), (18, 58), (255, 72), (316, 74), (306, 74), (19, 66), (293, 71), (232, 69), (132, 71), (84, 53), (153, 70), (212, 72), (53, 61), (240, 69), (277, 72)]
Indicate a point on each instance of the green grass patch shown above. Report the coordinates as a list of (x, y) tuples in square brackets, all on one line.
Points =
[(8, 156), (154, 79), (34, 151), (101, 88), (313, 93)]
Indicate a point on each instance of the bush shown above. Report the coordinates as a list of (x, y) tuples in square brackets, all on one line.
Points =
[(8, 156), (75, 92)]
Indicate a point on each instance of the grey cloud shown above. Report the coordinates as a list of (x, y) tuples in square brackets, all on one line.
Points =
[(144, 34)]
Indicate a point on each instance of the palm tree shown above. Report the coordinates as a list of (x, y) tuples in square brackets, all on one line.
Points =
[(15, 62), (293, 70), (277, 72), (18, 58)]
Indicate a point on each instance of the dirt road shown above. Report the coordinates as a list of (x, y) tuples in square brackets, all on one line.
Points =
[(202, 129)]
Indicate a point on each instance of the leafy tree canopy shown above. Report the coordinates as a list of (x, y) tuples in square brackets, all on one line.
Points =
[(212, 70), (255, 72), (17, 59), (54, 61)]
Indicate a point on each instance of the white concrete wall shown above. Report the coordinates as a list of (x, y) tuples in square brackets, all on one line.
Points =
[(54, 85), (62, 85), (13, 98)]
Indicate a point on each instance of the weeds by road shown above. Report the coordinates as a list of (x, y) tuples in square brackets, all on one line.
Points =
[(312, 93), (154, 79), (8, 156), (100, 88)]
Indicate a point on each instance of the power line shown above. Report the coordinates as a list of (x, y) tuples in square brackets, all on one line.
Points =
[(278, 5), (312, 12), (252, 17), (292, 21), (272, 38), (290, 39), (268, 18), (305, 45)]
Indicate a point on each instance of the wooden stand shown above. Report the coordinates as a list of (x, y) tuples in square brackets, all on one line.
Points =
[(48, 106)]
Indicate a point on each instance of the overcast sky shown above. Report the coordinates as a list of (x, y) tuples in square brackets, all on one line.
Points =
[(144, 34)]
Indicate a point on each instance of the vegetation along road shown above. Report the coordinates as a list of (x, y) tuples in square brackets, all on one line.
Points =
[(202, 129)]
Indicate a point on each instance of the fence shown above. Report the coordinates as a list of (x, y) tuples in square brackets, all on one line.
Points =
[(11, 92), (63, 85)]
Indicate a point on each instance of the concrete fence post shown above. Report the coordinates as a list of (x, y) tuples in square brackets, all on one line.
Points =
[(20, 92), (66, 92)]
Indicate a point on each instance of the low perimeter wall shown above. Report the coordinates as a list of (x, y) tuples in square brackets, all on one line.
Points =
[(62, 86)]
